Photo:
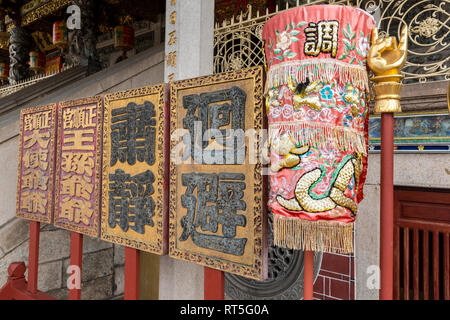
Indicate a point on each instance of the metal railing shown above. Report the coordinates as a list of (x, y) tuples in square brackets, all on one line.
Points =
[(238, 42)]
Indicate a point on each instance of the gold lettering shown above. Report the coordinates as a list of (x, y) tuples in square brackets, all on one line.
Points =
[(33, 201), (79, 163), (79, 117), (173, 17), (36, 136), (76, 210), (35, 159), (33, 179), (172, 39), (172, 59), (76, 186), (36, 121), (77, 139)]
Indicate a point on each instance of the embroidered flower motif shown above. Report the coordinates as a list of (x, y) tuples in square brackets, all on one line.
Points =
[(347, 121), (300, 114), (288, 111), (326, 93), (326, 115), (363, 45), (283, 40), (275, 112), (328, 153), (323, 186), (311, 115)]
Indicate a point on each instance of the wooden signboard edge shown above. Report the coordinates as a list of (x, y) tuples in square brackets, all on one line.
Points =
[(161, 175), (95, 231), (52, 163), (260, 265)]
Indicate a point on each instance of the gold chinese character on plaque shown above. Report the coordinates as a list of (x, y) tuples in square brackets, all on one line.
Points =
[(78, 167), (37, 138), (134, 175), (321, 37)]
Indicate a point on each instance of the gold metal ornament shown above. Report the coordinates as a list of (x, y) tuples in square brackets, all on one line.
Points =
[(386, 58)]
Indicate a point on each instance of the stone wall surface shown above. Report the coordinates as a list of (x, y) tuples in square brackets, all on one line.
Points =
[(418, 170), (103, 262)]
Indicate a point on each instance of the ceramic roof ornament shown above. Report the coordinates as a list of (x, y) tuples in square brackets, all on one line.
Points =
[(317, 100)]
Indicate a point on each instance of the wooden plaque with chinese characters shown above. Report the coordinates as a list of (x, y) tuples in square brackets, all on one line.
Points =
[(217, 215), (133, 204), (35, 178), (78, 165)]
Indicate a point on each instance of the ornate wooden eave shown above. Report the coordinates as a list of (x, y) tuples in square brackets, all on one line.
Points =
[(4, 41), (38, 9)]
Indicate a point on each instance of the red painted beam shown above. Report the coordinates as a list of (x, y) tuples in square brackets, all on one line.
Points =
[(76, 260), (131, 291), (308, 275), (33, 256), (387, 207), (214, 284)]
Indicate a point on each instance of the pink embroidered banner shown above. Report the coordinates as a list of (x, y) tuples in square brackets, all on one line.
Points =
[(78, 165), (36, 163), (317, 106)]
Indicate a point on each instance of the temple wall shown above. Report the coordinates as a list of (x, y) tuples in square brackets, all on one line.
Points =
[(102, 270), (414, 170)]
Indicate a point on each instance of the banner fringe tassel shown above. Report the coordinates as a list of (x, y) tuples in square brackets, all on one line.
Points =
[(325, 70), (326, 236)]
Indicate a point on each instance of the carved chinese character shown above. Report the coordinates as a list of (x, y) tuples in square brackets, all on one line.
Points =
[(79, 139), (133, 133), (35, 121), (34, 201), (172, 59), (38, 137), (79, 117), (172, 38), (77, 186), (76, 210), (222, 113), (34, 179), (36, 159), (80, 163), (219, 197), (130, 202), (322, 37), (173, 17)]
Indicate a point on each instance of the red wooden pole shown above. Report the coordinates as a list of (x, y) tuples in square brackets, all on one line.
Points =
[(387, 207), (76, 259), (33, 256), (214, 284), (308, 275), (131, 291)]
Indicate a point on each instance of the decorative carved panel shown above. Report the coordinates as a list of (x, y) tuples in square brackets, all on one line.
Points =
[(35, 178), (217, 209), (78, 165), (133, 193)]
